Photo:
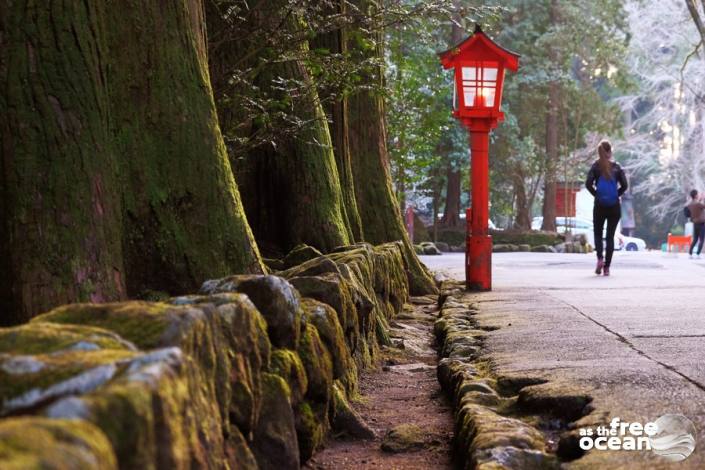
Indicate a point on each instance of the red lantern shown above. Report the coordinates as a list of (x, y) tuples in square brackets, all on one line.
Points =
[(479, 65)]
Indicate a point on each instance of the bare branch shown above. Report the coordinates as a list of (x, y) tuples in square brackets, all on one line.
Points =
[(695, 14)]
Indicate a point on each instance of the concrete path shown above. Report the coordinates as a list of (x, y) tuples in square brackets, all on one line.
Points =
[(634, 341)]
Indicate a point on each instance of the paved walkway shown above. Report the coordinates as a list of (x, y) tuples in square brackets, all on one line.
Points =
[(635, 341)]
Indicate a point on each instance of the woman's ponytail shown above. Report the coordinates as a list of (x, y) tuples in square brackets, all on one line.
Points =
[(604, 150)]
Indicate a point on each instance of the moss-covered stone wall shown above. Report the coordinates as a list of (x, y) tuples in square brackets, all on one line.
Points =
[(251, 372)]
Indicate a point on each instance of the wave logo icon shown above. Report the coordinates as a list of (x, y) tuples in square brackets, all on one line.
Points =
[(675, 437)]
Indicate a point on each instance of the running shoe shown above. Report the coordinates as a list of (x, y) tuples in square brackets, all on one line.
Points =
[(600, 265)]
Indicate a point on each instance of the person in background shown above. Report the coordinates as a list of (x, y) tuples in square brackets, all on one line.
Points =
[(607, 182), (696, 209)]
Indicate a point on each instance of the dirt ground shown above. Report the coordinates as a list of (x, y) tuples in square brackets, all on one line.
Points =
[(402, 390)]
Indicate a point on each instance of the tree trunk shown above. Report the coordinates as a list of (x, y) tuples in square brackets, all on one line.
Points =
[(337, 112), (549, 193), (379, 212), (523, 212), (451, 215), (114, 174), (291, 191), (59, 201), (184, 222), (341, 150)]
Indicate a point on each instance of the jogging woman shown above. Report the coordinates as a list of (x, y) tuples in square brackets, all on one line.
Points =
[(606, 182)]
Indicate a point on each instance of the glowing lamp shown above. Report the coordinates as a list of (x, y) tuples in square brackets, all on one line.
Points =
[(479, 65)]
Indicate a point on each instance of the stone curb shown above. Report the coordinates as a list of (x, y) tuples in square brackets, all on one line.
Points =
[(485, 437)]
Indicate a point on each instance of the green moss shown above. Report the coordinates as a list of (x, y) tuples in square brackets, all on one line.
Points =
[(274, 386), (318, 365), (225, 335), (382, 331), (311, 427), (325, 319), (143, 323), (231, 347), (56, 368), (275, 442), (124, 413), (243, 325), (44, 337), (340, 400), (349, 382), (34, 442), (404, 438), (300, 254), (287, 364), (169, 420), (239, 452), (237, 338), (333, 289), (244, 404), (380, 272), (378, 283)]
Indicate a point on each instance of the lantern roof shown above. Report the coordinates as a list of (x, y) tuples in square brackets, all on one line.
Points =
[(479, 44)]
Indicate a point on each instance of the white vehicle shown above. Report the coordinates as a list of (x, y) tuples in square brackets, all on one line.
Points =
[(580, 226), (574, 225), (631, 243)]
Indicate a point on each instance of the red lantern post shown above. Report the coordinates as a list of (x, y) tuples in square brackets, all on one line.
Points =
[(479, 65)]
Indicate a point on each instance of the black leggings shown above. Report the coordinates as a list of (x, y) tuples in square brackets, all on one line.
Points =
[(698, 235), (600, 214)]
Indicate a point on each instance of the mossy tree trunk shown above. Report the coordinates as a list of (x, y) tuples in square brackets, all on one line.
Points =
[(291, 187), (292, 192), (114, 176), (376, 203), (337, 111), (184, 221), (59, 201)]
